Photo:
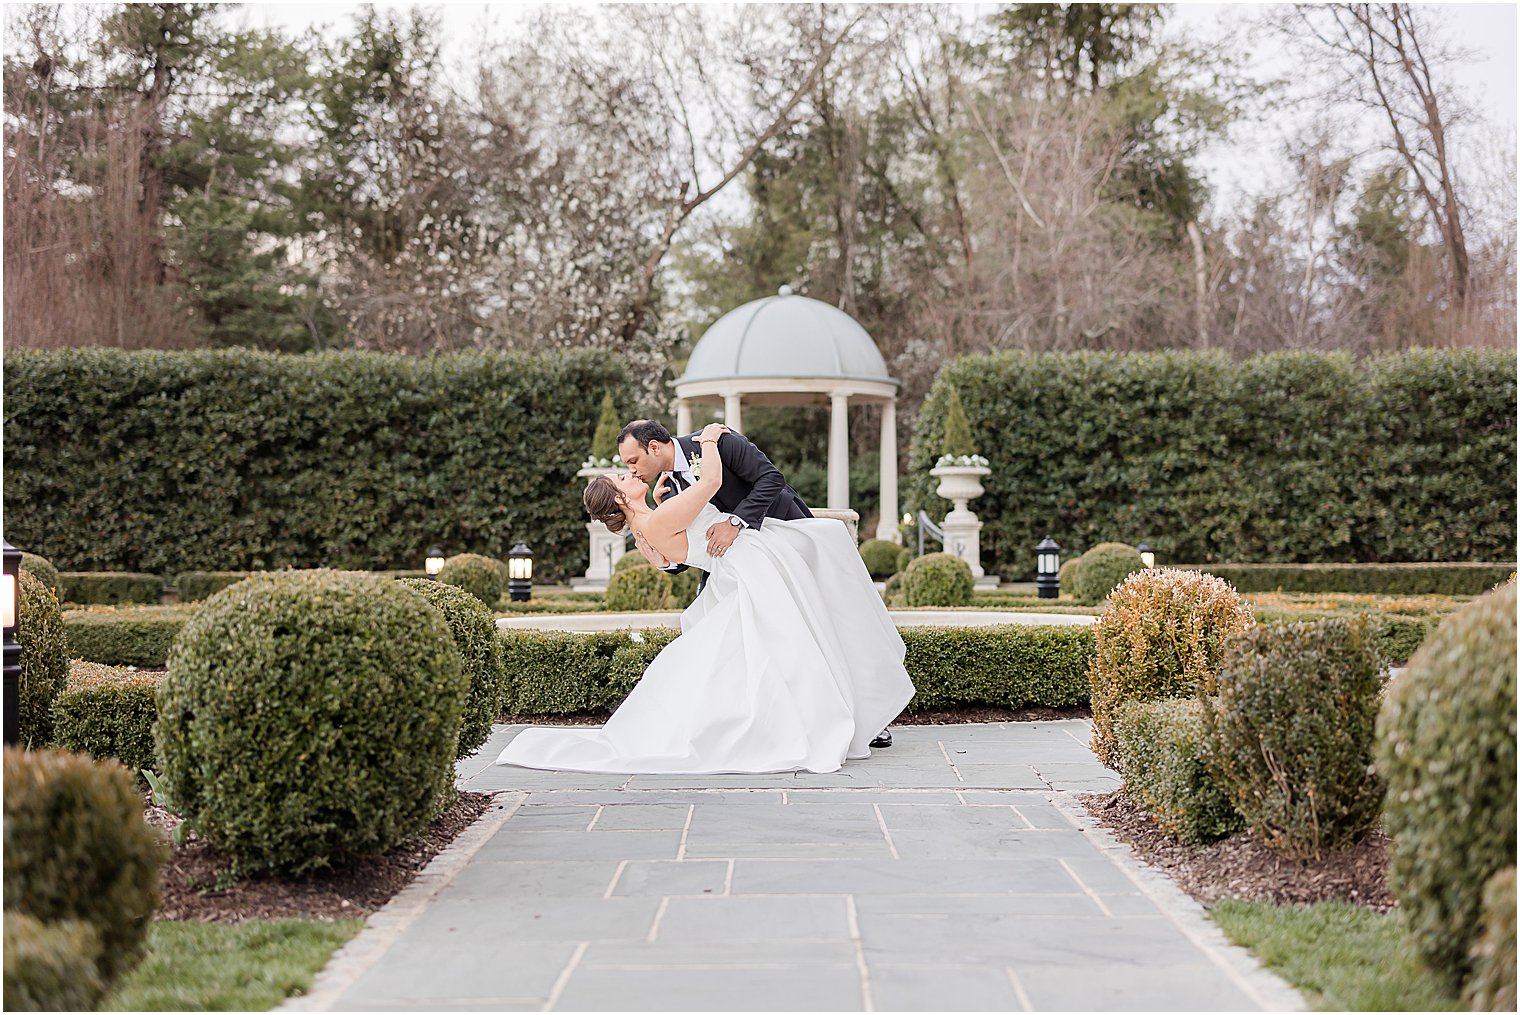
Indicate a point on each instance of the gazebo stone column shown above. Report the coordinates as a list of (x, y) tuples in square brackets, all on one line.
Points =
[(886, 525), (683, 417), (839, 451), (731, 415)]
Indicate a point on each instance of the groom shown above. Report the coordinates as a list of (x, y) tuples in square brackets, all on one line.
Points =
[(753, 488)]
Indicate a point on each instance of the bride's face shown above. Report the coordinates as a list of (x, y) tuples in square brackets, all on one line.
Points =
[(631, 487)]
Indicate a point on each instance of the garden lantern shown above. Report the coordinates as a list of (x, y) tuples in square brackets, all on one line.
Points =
[(1147, 555), (434, 562), (10, 605), (520, 574), (1047, 577)]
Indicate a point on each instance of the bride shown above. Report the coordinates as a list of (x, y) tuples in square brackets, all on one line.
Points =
[(787, 660)]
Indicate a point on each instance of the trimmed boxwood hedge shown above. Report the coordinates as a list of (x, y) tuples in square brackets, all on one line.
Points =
[(138, 636), (311, 718), (560, 673), (51, 966), (1162, 751), (238, 459), (109, 588), (1294, 456), (77, 848), (1375, 579), (108, 712)]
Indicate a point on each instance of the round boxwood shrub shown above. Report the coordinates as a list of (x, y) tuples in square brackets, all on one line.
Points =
[(1160, 637), (1492, 985), (77, 848), (310, 717), (892, 593), (1102, 568), (635, 589), (474, 630), (42, 568), (904, 558), (880, 557), (51, 966), (1446, 745), (1067, 576), (44, 659), (476, 574), (938, 579), (1291, 730)]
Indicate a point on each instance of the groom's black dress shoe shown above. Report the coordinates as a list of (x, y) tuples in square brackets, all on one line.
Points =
[(883, 739)]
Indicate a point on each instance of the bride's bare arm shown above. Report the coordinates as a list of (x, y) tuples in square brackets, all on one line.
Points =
[(675, 513)]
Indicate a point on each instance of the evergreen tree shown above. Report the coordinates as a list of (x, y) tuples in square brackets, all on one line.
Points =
[(958, 441), (608, 426)]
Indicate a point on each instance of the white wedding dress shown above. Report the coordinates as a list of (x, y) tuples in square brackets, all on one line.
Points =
[(786, 662)]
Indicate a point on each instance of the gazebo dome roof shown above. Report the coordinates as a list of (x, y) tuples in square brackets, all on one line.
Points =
[(786, 336)]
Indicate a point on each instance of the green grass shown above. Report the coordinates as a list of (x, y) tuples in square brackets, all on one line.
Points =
[(1341, 957), (250, 966)]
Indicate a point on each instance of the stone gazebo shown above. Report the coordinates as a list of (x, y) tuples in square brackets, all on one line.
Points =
[(792, 350)]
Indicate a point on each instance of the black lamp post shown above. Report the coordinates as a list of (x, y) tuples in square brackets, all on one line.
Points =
[(434, 562), (520, 573), (1047, 578), (1147, 555), (10, 606)]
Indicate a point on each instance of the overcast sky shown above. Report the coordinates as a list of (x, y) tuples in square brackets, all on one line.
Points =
[(1245, 164)]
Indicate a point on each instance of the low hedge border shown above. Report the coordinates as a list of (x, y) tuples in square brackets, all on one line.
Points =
[(193, 586), (561, 673), (127, 637), (108, 712), (1446, 579), (109, 588)]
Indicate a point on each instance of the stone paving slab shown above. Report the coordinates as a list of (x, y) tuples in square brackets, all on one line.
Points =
[(954, 871)]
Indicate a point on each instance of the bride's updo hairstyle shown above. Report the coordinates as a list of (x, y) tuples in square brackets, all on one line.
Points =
[(602, 504)]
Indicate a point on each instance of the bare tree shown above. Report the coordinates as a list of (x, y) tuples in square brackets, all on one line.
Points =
[(1393, 67)]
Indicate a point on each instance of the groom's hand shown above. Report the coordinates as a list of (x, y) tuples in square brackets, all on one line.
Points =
[(720, 536)]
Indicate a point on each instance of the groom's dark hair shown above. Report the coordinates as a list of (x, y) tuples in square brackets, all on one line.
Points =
[(643, 431)]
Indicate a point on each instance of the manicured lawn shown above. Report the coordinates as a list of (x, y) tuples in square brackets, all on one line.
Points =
[(1341, 957), (250, 966)]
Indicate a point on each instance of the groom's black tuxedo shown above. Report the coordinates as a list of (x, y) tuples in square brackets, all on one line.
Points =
[(753, 488)]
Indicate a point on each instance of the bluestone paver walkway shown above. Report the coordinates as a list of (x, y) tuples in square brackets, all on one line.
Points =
[(953, 871)]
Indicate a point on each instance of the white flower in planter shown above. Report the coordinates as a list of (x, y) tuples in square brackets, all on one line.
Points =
[(961, 461)]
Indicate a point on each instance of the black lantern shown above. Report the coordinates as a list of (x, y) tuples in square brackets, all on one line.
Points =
[(1147, 555), (1047, 578), (10, 605), (434, 562), (520, 574)]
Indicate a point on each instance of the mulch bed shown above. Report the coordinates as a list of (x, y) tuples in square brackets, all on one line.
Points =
[(1033, 713), (196, 886), (1240, 867)]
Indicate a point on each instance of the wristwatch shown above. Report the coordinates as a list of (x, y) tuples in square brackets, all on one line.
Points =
[(735, 521)]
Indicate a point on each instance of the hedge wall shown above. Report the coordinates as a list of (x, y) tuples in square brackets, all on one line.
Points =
[(168, 462), (1375, 579), (1289, 457)]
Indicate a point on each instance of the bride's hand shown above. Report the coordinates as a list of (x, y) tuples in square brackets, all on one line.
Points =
[(712, 432)]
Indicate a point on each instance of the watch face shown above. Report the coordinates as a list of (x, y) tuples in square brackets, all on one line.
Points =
[(734, 522)]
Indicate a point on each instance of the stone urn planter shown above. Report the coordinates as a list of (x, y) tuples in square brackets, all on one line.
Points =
[(960, 483), (606, 547)]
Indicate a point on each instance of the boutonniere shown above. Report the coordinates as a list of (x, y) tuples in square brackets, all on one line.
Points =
[(695, 465)]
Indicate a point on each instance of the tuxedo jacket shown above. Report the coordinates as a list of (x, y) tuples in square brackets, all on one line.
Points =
[(753, 488)]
